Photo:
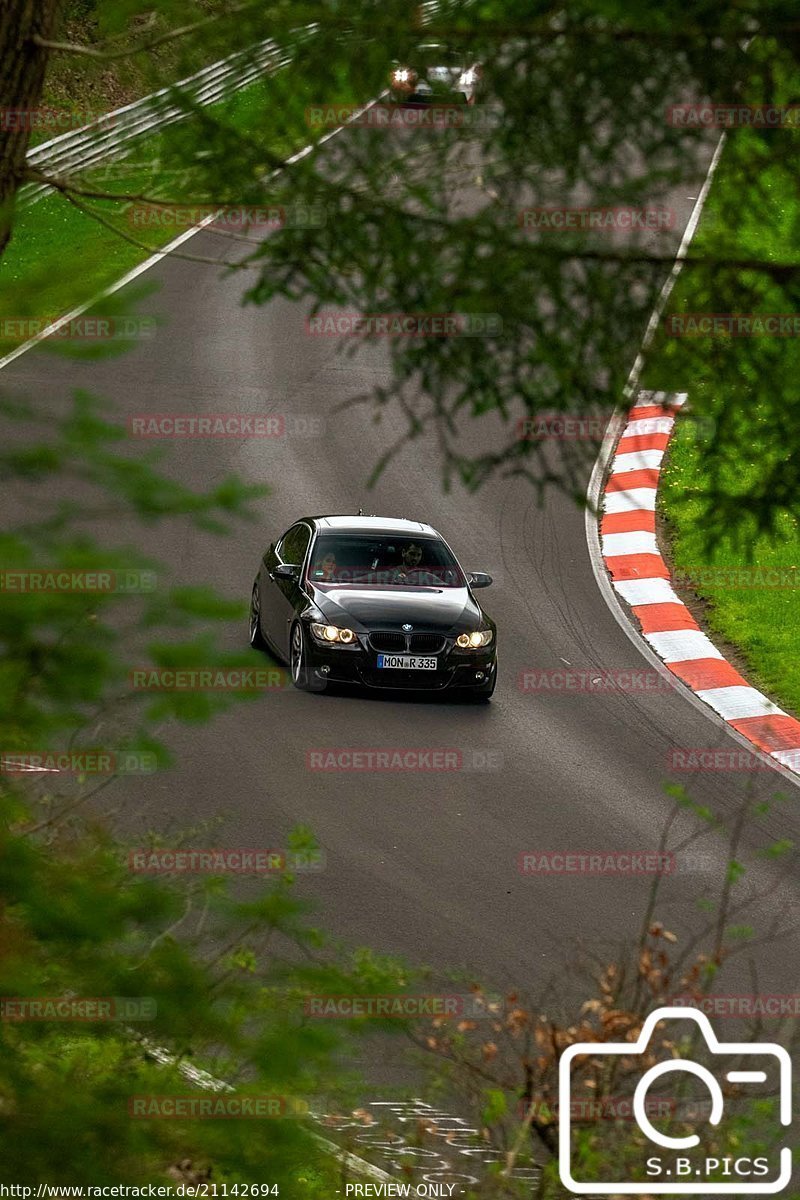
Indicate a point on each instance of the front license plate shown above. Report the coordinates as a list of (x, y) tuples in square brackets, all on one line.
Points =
[(406, 662)]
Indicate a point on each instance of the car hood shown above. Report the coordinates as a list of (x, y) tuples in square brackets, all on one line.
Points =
[(443, 74), (440, 609)]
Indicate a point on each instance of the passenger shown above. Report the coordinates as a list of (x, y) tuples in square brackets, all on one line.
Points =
[(325, 570)]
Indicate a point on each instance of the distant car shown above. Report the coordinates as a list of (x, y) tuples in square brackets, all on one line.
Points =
[(436, 73), (374, 601)]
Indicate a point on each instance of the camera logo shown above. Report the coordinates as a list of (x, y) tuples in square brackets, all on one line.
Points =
[(675, 1170)]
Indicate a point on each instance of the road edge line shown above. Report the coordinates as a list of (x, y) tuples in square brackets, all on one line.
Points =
[(613, 432), (641, 576), (207, 1082), (166, 250)]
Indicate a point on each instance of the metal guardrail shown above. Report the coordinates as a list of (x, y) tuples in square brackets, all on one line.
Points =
[(112, 133), (105, 137)]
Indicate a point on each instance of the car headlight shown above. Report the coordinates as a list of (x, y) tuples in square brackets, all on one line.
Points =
[(474, 641), (332, 634), (404, 77)]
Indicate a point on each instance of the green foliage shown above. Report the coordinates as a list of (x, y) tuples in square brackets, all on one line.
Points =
[(75, 922), (423, 222), (221, 971), (572, 112), (65, 658)]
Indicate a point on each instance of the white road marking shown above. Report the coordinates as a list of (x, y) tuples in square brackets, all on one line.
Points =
[(19, 768), (648, 399), (617, 502), (157, 256), (647, 591), (637, 542), (682, 645), (788, 758), (637, 460), (646, 425), (209, 1083), (737, 701), (783, 760)]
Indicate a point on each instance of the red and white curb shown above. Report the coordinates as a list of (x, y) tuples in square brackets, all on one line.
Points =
[(641, 578)]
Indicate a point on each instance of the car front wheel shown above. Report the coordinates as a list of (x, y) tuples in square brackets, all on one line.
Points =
[(256, 637), (303, 674)]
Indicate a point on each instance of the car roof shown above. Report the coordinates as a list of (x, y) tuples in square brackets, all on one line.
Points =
[(372, 524)]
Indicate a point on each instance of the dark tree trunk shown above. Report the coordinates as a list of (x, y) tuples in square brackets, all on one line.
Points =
[(22, 70)]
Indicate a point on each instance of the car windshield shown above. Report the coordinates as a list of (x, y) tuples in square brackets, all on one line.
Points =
[(385, 560), (435, 54)]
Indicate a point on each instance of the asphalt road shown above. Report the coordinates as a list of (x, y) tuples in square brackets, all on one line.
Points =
[(418, 864)]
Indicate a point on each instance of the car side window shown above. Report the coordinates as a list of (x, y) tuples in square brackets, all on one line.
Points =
[(294, 543), (280, 544)]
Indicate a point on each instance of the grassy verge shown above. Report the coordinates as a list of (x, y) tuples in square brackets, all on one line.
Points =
[(740, 576), (82, 86), (62, 255)]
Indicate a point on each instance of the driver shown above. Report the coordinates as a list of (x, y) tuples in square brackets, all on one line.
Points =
[(411, 556), (410, 559)]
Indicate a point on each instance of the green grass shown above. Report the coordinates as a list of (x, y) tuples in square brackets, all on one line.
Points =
[(741, 390), (762, 621), (81, 87), (60, 256)]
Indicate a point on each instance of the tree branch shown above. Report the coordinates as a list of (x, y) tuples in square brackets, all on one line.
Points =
[(110, 55), (164, 251), (62, 185)]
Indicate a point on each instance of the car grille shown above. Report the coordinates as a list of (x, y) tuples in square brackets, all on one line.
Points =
[(427, 643), (389, 641), (418, 681)]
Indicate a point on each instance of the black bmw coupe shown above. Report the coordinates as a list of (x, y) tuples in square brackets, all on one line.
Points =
[(375, 601)]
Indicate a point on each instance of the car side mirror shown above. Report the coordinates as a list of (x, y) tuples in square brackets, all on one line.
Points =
[(479, 579), (287, 571)]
